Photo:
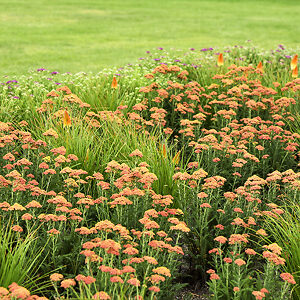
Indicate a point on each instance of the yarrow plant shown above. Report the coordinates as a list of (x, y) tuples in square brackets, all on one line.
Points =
[(133, 182)]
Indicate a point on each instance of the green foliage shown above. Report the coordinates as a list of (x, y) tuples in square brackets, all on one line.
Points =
[(20, 259)]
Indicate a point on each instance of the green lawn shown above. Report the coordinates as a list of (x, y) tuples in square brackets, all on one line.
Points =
[(87, 35)]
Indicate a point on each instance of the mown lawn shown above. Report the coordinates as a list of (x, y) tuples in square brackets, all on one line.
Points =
[(89, 35)]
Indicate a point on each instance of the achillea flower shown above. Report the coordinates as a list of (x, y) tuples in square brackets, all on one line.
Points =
[(156, 278), (67, 283), (221, 239), (101, 296), (274, 258), (52, 94), (206, 205), (53, 231), (116, 279), (51, 132), (261, 232), (258, 295), (162, 271), (228, 260), (136, 152), (219, 226), (250, 251), (33, 204), (128, 269), (264, 290), (288, 277), (17, 228), (3, 291), (134, 281), (9, 157), (214, 276), (131, 251), (239, 262), (19, 293), (150, 260), (181, 227), (56, 277), (154, 289), (17, 206), (274, 248), (202, 195), (238, 238)]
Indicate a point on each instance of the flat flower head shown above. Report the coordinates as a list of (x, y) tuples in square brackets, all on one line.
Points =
[(101, 296), (214, 276), (258, 295), (134, 281), (250, 251), (136, 152), (239, 262), (162, 271), (67, 283), (56, 277), (20, 293), (3, 291), (221, 239), (288, 277)]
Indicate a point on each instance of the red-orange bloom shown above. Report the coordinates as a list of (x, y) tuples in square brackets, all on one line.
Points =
[(114, 83), (294, 62), (67, 119), (260, 67), (295, 72), (288, 277), (220, 61)]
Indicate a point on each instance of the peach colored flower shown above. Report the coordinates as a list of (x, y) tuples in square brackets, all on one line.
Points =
[(68, 283), (136, 152), (162, 271), (56, 277), (154, 289), (214, 276), (101, 296), (221, 239), (239, 262), (258, 295), (227, 260), (250, 251), (288, 277), (134, 281)]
